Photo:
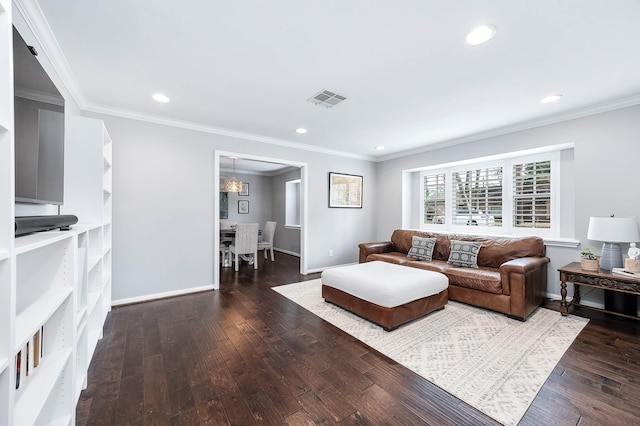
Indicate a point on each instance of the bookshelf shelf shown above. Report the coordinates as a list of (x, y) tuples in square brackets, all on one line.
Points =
[(29, 397), (32, 242), (80, 318), (93, 299), (93, 261), (38, 313)]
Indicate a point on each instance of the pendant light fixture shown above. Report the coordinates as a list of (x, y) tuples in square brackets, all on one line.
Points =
[(233, 184)]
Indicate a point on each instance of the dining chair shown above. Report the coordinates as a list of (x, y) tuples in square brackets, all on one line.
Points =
[(246, 242), (267, 238)]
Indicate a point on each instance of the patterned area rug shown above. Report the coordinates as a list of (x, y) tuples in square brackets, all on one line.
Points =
[(493, 363)]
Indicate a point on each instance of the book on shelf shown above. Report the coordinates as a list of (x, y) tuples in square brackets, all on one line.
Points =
[(18, 362), (36, 349), (41, 342), (622, 271)]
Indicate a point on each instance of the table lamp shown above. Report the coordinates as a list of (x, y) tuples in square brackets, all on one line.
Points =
[(612, 231)]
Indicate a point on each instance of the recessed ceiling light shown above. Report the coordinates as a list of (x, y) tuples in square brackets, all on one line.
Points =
[(379, 147), (550, 98), (301, 131), (159, 97), (480, 35)]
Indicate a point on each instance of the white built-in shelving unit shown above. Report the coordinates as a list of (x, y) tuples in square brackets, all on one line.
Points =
[(7, 258), (88, 196), (55, 287)]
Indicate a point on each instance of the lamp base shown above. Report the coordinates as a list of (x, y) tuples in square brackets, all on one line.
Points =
[(611, 256)]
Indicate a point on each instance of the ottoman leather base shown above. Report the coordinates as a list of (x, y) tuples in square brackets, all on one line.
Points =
[(388, 318)]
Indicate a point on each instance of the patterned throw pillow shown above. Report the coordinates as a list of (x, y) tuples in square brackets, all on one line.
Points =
[(422, 248), (464, 253)]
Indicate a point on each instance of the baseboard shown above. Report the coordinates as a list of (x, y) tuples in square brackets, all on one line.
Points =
[(311, 271), (286, 252), (155, 296)]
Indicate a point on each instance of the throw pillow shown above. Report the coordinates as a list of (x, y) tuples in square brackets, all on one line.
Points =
[(422, 248), (464, 253)]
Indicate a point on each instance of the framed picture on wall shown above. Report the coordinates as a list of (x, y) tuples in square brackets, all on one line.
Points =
[(345, 191), (245, 189), (243, 206)]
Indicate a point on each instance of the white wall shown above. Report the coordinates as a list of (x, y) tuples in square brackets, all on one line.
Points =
[(607, 150), (260, 200), (163, 209)]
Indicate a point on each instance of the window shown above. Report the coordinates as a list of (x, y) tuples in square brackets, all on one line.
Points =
[(434, 198), (511, 196), (477, 196), (532, 195), (292, 203)]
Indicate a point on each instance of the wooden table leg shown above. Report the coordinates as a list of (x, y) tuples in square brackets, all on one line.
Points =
[(564, 309)]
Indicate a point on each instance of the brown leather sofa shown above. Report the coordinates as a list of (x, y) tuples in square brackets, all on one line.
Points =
[(511, 277)]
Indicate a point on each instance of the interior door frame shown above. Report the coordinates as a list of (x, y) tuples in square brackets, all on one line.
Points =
[(216, 206)]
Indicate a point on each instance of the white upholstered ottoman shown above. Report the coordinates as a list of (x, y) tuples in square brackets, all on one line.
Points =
[(386, 294)]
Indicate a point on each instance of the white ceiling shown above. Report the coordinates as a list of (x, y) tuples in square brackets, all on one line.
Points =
[(248, 67)]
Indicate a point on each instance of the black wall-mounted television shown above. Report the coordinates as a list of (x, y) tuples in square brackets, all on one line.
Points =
[(38, 129)]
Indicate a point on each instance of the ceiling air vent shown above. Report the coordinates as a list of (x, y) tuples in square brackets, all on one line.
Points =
[(326, 98)]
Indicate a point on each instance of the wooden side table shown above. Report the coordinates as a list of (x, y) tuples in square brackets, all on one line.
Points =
[(602, 279)]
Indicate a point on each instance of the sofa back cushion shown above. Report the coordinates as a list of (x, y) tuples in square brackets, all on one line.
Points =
[(494, 252)]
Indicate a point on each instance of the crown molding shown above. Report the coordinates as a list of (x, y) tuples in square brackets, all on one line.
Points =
[(134, 115), (559, 118)]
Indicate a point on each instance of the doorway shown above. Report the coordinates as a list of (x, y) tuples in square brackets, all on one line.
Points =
[(219, 158)]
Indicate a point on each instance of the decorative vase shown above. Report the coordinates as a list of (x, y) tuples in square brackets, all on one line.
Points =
[(590, 264)]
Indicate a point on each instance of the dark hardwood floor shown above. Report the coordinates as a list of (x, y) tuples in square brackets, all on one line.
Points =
[(246, 355)]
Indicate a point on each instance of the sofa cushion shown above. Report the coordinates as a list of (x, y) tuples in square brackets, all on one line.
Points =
[(464, 253), (483, 279), (432, 265), (422, 248)]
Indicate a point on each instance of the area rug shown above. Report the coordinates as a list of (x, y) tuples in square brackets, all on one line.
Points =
[(493, 363)]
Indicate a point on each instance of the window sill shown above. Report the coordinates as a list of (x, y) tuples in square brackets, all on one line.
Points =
[(292, 227), (561, 242)]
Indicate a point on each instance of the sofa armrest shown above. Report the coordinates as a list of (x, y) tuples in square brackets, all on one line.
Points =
[(370, 248), (525, 280), (523, 265)]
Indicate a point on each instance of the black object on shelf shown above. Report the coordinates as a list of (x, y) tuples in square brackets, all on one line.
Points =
[(29, 224)]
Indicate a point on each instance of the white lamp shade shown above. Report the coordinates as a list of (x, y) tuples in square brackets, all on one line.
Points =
[(232, 185), (613, 229)]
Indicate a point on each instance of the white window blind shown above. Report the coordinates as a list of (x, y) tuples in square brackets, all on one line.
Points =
[(477, 197), (434, 198), (532, 195)]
